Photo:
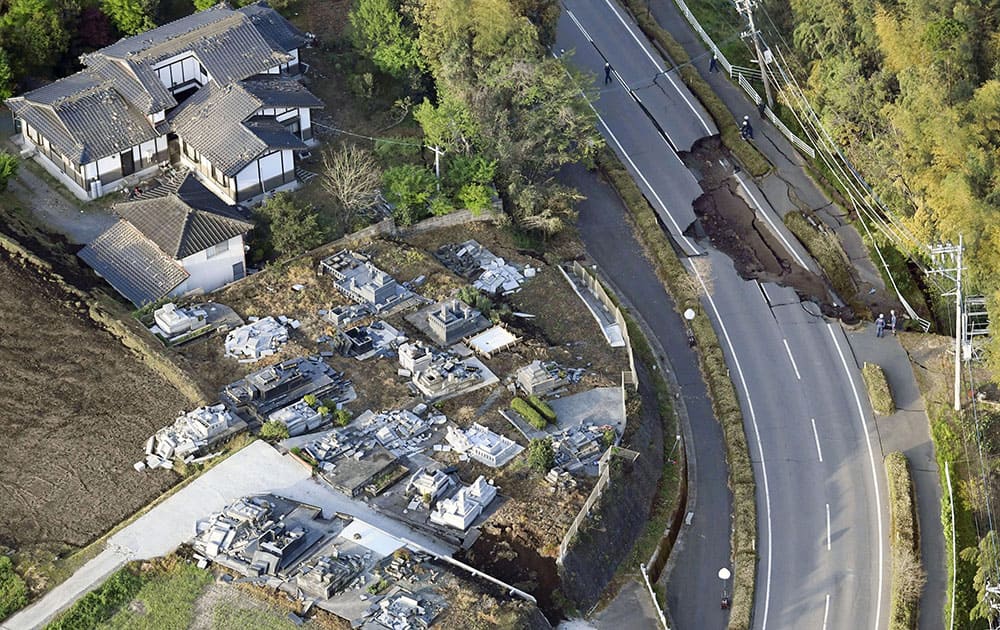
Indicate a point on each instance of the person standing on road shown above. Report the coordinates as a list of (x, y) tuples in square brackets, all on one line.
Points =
[(607, 73), (713, 65), (746, 129), (892, 321), (880, 325)]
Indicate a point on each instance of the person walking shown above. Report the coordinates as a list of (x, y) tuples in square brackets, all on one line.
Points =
[(892, 322), (607, 73), (746, 129), (880, 325), (713, 65)]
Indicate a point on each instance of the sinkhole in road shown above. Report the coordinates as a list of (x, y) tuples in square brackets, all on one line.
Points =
[(735, 229)]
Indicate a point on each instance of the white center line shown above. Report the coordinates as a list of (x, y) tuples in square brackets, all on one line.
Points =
[(828, 527), (792, 359), (660, 69), (819, 451), (826, 611)]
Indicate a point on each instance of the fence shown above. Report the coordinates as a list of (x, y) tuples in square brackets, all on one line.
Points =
[(740, 74), (629, 376), (603, 479), (652, 595)]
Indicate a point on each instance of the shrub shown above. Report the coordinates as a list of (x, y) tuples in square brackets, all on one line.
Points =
[(908, 576), (13, 591), (341, 417), (8, 168), (441, 205), (463, 170), (409, 189), (475, 197), (310, 400), (273, 430), (541, 455), (98, 606), (529, 413), (608, 437), (878, 389), (543, 408), (286, 227), (323, 410), (472, 296)]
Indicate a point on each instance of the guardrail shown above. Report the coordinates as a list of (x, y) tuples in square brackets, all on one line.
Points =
[(740, 74)]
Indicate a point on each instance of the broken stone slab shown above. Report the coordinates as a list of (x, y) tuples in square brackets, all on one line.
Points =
[(298, 287), (139, 466)]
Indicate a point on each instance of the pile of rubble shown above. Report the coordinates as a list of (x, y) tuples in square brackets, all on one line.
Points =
[(402, 431), (189, 436), (490, 273), (440, 374), (257, 339)]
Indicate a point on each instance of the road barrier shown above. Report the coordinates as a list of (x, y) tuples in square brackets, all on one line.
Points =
[(740, 74)]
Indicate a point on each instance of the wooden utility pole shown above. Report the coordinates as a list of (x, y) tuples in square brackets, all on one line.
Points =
[(746, 6)]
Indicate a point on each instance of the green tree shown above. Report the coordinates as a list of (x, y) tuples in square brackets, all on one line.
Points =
[(341, 417), (541, 455), (380, 32), (13, 591), (33, 36), (201, 5), (287, 227), (8, 168), (272, 430), (6, 76), (986, 558), (131, 16), (409, 189)]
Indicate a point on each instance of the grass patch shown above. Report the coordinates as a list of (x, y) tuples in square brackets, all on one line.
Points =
[(825, 247), (13, 590), (908, 576), (725, 404), (100, 605), (231, 617), (878, 389), (752, 159), (949, 452), (165, 601)]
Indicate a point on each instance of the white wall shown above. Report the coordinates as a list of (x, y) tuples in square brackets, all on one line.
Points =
[(208, 274), (179, 69)]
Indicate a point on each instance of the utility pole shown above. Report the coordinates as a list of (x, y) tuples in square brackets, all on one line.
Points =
[(945, 255), (746, 6), (438, 152)]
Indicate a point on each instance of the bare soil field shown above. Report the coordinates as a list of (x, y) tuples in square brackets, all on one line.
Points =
[(76, 407)]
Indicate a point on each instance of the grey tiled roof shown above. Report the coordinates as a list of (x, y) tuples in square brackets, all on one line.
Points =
[(184, 217), (229, 44), (84, 117), (101, 110), (132, 264), (218, 121), (278, 31)]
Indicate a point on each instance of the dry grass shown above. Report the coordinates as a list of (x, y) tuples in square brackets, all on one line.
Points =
[(825, 247), (908, 576), (878, 389)]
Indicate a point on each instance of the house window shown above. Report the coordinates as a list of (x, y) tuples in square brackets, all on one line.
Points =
[(238, 270), (215, 250)]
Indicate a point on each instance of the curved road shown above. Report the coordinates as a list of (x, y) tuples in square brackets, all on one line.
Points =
[(823, 553)]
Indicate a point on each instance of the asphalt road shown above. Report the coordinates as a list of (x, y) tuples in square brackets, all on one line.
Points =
[(817, 455)]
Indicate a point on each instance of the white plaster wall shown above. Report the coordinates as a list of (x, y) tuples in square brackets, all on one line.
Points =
[(208, 274)]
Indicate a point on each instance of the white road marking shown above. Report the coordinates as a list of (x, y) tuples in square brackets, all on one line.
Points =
[(660, 68), (680, 233), (828, 527), (871, 458), (792, 359), (826, 611), (760, 447), (819, 451), (767, 217), (579, 26)]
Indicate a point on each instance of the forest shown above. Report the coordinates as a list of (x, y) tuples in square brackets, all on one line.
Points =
[(910, 90)]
